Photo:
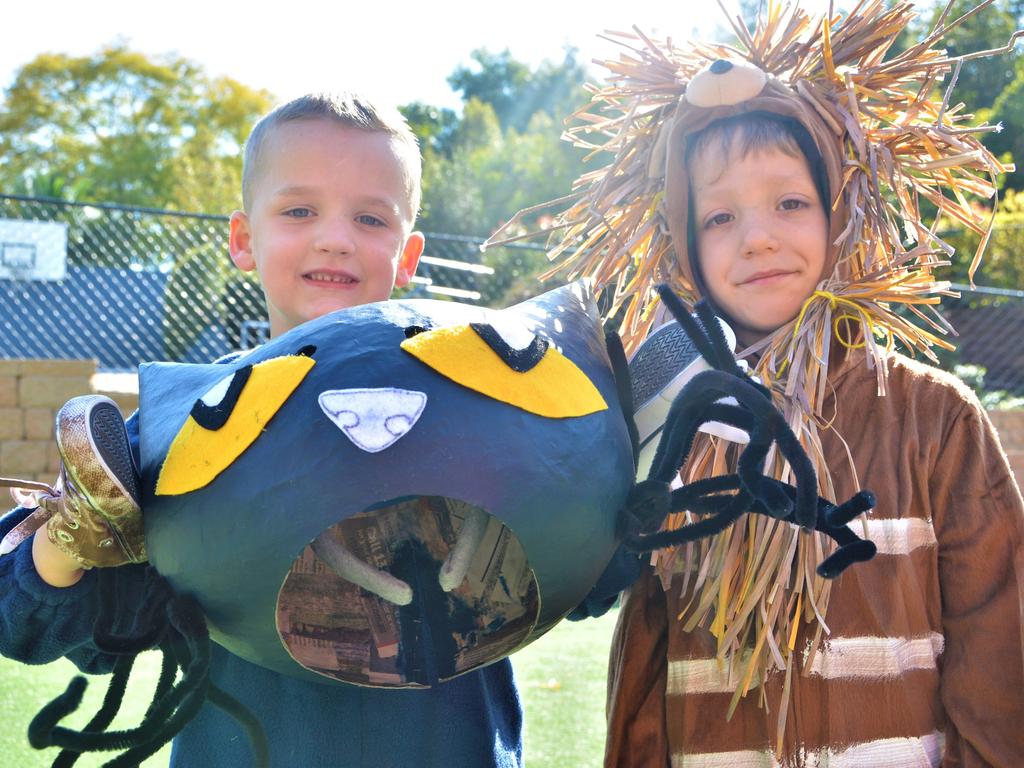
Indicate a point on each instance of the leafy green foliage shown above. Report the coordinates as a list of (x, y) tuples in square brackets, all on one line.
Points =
[(1008, 111), (118, 126), (504, 153), (995, 400), (1003, 263), (980, 80), (992, 87), (517, 93), (434, 126)]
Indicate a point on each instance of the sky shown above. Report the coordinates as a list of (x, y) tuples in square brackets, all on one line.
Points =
[(398, 51)]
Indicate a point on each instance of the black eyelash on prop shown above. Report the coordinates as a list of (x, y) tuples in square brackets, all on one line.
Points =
[(519, 360), (176, 626), (724, 499), (213, 417)]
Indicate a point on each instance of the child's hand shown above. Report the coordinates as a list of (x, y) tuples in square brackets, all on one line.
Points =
[(54, 566)]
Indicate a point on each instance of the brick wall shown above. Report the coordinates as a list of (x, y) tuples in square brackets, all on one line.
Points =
[(31, 391)]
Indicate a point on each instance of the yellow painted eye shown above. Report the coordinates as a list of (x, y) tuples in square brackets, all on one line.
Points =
[(226, 420), (536, 377)]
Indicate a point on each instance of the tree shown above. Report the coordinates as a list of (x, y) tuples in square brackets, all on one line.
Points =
[(498, 80), (433, 126), (991, 87), (117, 126), (1008, 111), (980, 80), (1003, 263), (515, 92), (502, 154), (505, 151)]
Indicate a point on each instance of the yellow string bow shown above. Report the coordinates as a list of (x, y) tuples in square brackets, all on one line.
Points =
[(834, 301)]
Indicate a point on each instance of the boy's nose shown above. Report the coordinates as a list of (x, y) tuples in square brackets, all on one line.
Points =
[(758, 237), (335, 237)]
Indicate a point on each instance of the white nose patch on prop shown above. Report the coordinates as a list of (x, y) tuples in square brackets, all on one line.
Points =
[(373, 419)]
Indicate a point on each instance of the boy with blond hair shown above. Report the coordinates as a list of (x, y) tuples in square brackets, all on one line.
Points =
[(780, 179), (331, 188)]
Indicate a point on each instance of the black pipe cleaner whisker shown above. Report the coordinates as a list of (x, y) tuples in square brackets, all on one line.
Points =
[(176, 625), (724, 359), (108, 710), (722, 500), (623, 388)]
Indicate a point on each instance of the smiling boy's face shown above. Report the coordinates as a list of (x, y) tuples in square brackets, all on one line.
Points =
[(329, 222), (761, 235)]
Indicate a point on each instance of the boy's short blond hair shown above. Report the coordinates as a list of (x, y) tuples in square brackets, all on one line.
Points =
[(347, 109)]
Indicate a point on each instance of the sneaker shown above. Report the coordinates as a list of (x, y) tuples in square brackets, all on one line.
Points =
[(98, 519), (662, 365)]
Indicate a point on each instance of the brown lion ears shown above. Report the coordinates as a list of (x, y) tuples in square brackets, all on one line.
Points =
[(725, 82)]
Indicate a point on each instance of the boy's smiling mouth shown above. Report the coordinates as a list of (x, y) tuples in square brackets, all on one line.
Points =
[(330, 277), (767, 276)]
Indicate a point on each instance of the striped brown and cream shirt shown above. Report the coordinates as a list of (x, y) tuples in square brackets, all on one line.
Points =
[(925, 662)]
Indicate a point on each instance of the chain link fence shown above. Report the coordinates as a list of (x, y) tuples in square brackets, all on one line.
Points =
[(990, 338), (125, 284), (129, 284)]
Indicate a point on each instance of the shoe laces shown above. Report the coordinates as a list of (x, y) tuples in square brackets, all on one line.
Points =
[(53, 499)]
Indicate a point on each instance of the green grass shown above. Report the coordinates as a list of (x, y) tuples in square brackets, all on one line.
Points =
[(24, 689), (561, 678), (562, 681)]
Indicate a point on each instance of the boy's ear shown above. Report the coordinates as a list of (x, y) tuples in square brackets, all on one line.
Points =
[(240, 242), (409, 258)]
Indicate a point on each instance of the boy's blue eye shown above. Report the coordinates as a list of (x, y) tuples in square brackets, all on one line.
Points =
[(299, 213), (369, 220)]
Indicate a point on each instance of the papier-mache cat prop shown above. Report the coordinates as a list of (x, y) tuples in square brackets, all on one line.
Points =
[(398, 493)]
